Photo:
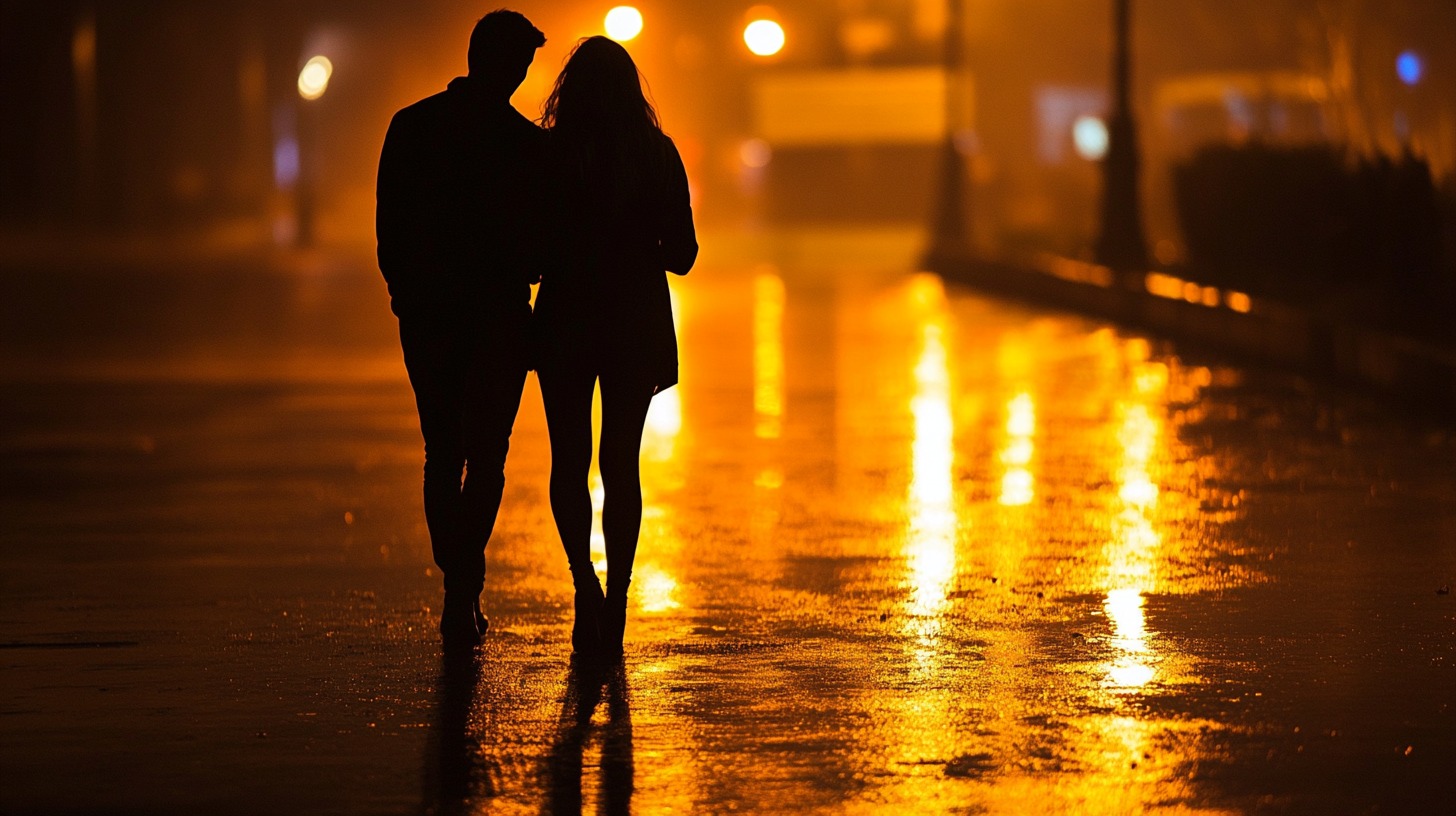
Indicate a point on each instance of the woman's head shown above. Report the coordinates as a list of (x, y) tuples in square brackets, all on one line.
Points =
[(599, 92)]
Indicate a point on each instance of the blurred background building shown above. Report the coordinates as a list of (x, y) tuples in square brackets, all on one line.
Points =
[(177, 116)]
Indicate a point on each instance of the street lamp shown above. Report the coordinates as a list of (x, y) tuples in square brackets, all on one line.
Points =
[(764, 37), (1121, 244), (623, 23), (313, 80), (950, 239)]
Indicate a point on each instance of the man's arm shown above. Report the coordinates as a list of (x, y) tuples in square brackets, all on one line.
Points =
[(401, 215)]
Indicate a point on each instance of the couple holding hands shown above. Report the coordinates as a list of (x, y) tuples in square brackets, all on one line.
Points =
[(475, 204)]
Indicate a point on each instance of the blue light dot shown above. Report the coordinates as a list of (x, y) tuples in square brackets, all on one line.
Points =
[(1409, 67)]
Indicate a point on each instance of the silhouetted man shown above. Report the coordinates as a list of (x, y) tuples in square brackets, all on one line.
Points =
[(458, 195)]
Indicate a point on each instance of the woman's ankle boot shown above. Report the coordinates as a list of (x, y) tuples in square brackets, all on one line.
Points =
[(585, 630), (614, 619)]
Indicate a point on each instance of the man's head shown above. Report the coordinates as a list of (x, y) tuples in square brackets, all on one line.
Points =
[(501, 49)]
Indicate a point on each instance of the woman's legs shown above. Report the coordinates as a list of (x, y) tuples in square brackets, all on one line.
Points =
[(624, 412), (567, 397)]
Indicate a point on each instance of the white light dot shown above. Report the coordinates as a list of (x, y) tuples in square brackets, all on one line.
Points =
[(1089, 136), (313, 80), (623, 23), (764, 37)]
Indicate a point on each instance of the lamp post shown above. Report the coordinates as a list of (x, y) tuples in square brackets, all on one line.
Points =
[(83, 70), (313, 80), (1121, 244), (950, 239)]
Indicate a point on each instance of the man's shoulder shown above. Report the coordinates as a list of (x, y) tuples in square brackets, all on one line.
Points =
[(427, 109)]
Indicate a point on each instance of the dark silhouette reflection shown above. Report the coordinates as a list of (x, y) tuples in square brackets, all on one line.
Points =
[(585, 693), (456, 772)]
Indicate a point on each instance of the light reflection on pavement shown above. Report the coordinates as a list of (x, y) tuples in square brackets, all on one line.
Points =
[(904, 549)]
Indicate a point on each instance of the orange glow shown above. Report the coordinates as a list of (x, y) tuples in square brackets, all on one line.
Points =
[(654, 588), (1164, 286), (1173, 288), (664, 422), (1079, 271), (755, 153)]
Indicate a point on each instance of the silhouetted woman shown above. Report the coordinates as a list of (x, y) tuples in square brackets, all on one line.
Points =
[(603, 313)]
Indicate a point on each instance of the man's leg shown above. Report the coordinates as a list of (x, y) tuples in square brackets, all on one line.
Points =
[(437, 368), (493, 397)]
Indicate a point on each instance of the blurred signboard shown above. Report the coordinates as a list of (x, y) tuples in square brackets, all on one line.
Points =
[(852, 107)]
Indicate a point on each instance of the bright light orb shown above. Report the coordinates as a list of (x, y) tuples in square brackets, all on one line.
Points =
[(313, 80), (764, 37), (623, 23), (1089, 137), (1409, 67)]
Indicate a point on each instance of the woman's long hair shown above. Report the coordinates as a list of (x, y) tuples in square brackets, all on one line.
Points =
[(599, 112)]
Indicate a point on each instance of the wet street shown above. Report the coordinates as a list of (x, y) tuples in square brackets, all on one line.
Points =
[(906, 549)]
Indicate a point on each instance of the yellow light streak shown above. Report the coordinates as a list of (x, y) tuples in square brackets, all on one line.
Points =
[(1018, 485), (768, 354), (932, 521)]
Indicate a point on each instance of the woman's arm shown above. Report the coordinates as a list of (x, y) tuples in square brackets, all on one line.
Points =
[(678, 239)]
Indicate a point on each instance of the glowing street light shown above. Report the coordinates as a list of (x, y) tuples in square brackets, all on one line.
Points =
[(313, 80), (764, 37), (1089, 137), (623, 23)]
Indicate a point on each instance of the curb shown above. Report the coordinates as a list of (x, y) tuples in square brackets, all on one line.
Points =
[(1252, 328)]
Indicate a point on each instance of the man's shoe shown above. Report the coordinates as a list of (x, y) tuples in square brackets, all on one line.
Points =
[(457, 623), (482, 623)]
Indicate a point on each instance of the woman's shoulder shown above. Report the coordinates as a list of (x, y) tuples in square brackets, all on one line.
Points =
[(667, 145)]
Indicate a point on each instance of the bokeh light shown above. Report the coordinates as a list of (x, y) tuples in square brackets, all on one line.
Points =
[(313, 80), (623, 23), (1410, 67), (1089, 137), (764, 37), (755, 153)]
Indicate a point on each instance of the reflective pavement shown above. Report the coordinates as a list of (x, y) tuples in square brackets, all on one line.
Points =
[(906, 549)]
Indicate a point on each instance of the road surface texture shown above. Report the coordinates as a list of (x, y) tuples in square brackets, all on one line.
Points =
[(906, 549)]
